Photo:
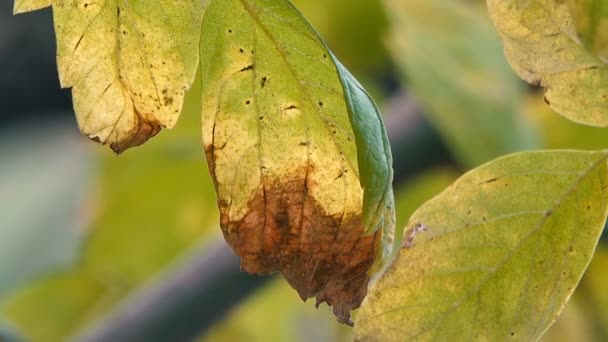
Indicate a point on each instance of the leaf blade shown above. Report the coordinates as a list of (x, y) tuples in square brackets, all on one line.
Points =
[(284, 154), (541, 44), (128, 63), (500, 260)]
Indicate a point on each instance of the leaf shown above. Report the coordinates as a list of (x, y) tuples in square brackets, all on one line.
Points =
[(452, 63), (591, 21), (298, 152), (129, 63), (541, 44), (505, 247), (23, 6)]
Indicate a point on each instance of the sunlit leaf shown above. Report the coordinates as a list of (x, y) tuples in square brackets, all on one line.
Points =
[(504, 249), (453, 64), (128, 63), (541, 43), (297, 150)]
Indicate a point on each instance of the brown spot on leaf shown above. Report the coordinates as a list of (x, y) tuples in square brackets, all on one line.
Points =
[(142, 132), (320, 255)]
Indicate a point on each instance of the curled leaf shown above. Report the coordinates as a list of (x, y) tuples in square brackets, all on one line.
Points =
[(298, 152), (128, 63), (540, 40), (495, 256)]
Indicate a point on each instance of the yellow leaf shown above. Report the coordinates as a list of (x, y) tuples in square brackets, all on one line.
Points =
[(540, 40), (129, 63), (503, 250)]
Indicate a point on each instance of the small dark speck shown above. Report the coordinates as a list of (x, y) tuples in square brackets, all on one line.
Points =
[(320, 104), (491, 180), (548, 213), (241, 50), (547, 101), (291, 107), (248, 102), (229, 31), (264, 81), (483, 218), (249, 67), (588, 207), (324, 56)]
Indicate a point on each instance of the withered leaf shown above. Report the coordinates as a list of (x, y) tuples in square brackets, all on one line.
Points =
[(298, 152), (129, 63)]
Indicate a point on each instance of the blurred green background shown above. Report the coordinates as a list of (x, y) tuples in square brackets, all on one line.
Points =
[(86, 236)]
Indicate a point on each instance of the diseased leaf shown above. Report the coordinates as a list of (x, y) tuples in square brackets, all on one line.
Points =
[(541, 43), (128, 63), (504, 249), (298, 152), (453, 65)]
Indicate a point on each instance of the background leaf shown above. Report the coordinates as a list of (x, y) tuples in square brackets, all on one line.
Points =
[(511, 240), (452, 62), (152, 206)]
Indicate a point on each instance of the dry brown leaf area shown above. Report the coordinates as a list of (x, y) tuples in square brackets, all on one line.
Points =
[(324, 256)]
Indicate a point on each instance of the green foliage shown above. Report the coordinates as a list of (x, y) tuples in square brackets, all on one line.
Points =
[(473, 99), (505, 248), (138, 230)]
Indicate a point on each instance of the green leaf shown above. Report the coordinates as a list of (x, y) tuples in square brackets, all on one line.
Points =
[(506, 246), (297, 150), (591, 20), (452, 62), (150, 208), (541, 43), (128, 63)]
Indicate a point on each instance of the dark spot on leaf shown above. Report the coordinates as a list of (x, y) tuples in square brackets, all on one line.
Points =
[(320, 103), (264, 81), (249, 67), (248, 102), (229, 30), (546, 101), (291, 107), (241, 50), (332, 267), (492, 180)]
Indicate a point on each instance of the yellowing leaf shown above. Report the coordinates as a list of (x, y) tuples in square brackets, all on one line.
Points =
[(542, 46), (128, 63), (298, 152), (505, 247), (22, 6)]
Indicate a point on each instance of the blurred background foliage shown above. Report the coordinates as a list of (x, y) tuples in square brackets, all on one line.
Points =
[(82, 229)]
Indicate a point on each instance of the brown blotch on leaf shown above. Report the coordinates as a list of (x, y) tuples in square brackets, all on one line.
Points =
[(321, 255), (142, 132)]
